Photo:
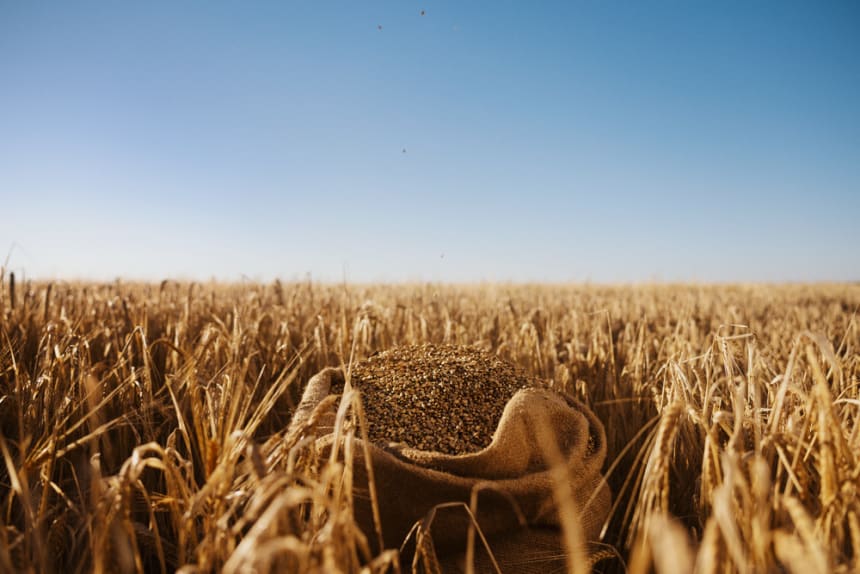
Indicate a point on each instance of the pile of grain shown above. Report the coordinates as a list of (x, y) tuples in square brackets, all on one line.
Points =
[(442, 398)]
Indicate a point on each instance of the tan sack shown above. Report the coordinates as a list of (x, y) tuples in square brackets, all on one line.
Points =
[(512, 471)]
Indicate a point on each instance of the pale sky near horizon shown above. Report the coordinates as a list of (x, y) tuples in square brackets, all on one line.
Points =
[(600, 141)]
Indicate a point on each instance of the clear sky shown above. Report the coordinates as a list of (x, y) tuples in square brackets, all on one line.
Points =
[(544, 141)]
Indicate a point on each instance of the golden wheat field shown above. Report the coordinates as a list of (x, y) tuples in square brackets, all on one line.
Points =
[(143, 427)]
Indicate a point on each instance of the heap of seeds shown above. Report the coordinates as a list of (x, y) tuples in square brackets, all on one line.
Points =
[(442, 398)]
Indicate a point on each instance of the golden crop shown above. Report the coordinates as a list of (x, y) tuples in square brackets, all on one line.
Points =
[(144, 427)]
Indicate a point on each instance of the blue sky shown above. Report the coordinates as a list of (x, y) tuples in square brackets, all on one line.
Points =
[(545, 141)]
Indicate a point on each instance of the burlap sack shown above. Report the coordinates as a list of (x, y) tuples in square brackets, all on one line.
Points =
[(517, 510)]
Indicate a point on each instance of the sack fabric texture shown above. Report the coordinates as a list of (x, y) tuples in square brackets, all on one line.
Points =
[(513, 477)]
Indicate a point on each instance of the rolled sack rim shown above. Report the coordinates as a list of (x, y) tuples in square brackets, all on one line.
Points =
[(319, 387)]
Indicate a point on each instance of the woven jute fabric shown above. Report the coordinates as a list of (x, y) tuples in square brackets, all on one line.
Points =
[(513, 478)]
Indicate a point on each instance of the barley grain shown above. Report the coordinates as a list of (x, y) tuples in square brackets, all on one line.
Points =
[(443, 398)]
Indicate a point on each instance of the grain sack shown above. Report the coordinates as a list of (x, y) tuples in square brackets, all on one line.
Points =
[(444, 422)]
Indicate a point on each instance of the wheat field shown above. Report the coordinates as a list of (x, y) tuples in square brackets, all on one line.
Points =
[(143, 427)]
